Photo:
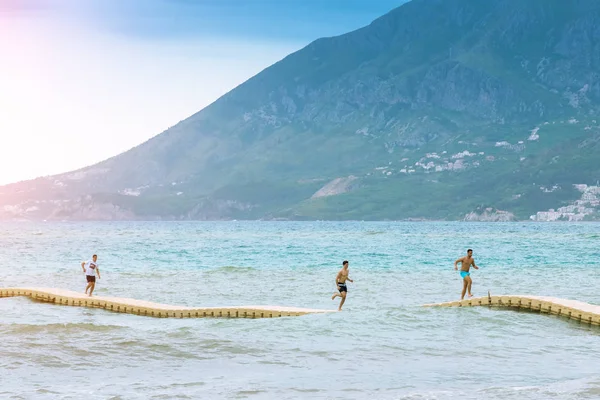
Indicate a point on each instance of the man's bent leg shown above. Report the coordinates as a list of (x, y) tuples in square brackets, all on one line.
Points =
[(469, 286), (92, 288), (343, 295), (464, 289)]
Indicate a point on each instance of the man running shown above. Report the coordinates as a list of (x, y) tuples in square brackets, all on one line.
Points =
[(340, 282), (90, 269), (466, 263)]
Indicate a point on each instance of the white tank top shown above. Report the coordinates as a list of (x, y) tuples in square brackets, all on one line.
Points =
[(90, 268)]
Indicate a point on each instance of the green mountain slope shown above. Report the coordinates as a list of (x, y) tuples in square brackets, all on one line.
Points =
[(436, 110)]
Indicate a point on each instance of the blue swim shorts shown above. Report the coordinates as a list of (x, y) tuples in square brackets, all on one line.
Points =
[(464, 274)]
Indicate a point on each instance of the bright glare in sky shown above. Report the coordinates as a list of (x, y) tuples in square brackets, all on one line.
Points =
[(71, 97), (84, 80)]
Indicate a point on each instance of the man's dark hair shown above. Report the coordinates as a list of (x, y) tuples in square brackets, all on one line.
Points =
[(345, 262), (470, 250), (94, 255)]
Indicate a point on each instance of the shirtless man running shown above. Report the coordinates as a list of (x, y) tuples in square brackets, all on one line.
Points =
[(340, 281), (466, 263)]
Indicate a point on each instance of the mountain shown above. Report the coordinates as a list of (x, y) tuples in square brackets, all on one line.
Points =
[(440, 109)]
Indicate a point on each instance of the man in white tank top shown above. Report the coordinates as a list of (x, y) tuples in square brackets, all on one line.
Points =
[(90, 269)]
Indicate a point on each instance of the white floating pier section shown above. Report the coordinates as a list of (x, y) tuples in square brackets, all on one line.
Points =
[(146, 308), (572, 309)]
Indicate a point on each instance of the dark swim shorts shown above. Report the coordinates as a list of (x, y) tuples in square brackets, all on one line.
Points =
[(90, 278), (342, 287)]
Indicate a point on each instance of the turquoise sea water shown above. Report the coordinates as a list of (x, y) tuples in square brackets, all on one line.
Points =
[(382, 346)]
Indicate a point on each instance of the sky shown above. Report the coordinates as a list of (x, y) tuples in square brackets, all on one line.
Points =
[(85, 80)]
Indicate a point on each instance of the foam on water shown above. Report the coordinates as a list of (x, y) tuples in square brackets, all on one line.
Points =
[(384, 345)]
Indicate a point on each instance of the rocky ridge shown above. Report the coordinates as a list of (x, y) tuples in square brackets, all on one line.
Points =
[(433, 101)]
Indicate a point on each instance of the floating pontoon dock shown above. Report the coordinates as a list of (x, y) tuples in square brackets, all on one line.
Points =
[(572, 309), (146, 308)]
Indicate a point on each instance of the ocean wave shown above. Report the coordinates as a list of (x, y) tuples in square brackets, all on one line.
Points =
[(230, 268), (67, 328)]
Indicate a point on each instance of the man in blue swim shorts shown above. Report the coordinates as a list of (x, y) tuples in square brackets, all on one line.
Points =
[(466, 263)]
